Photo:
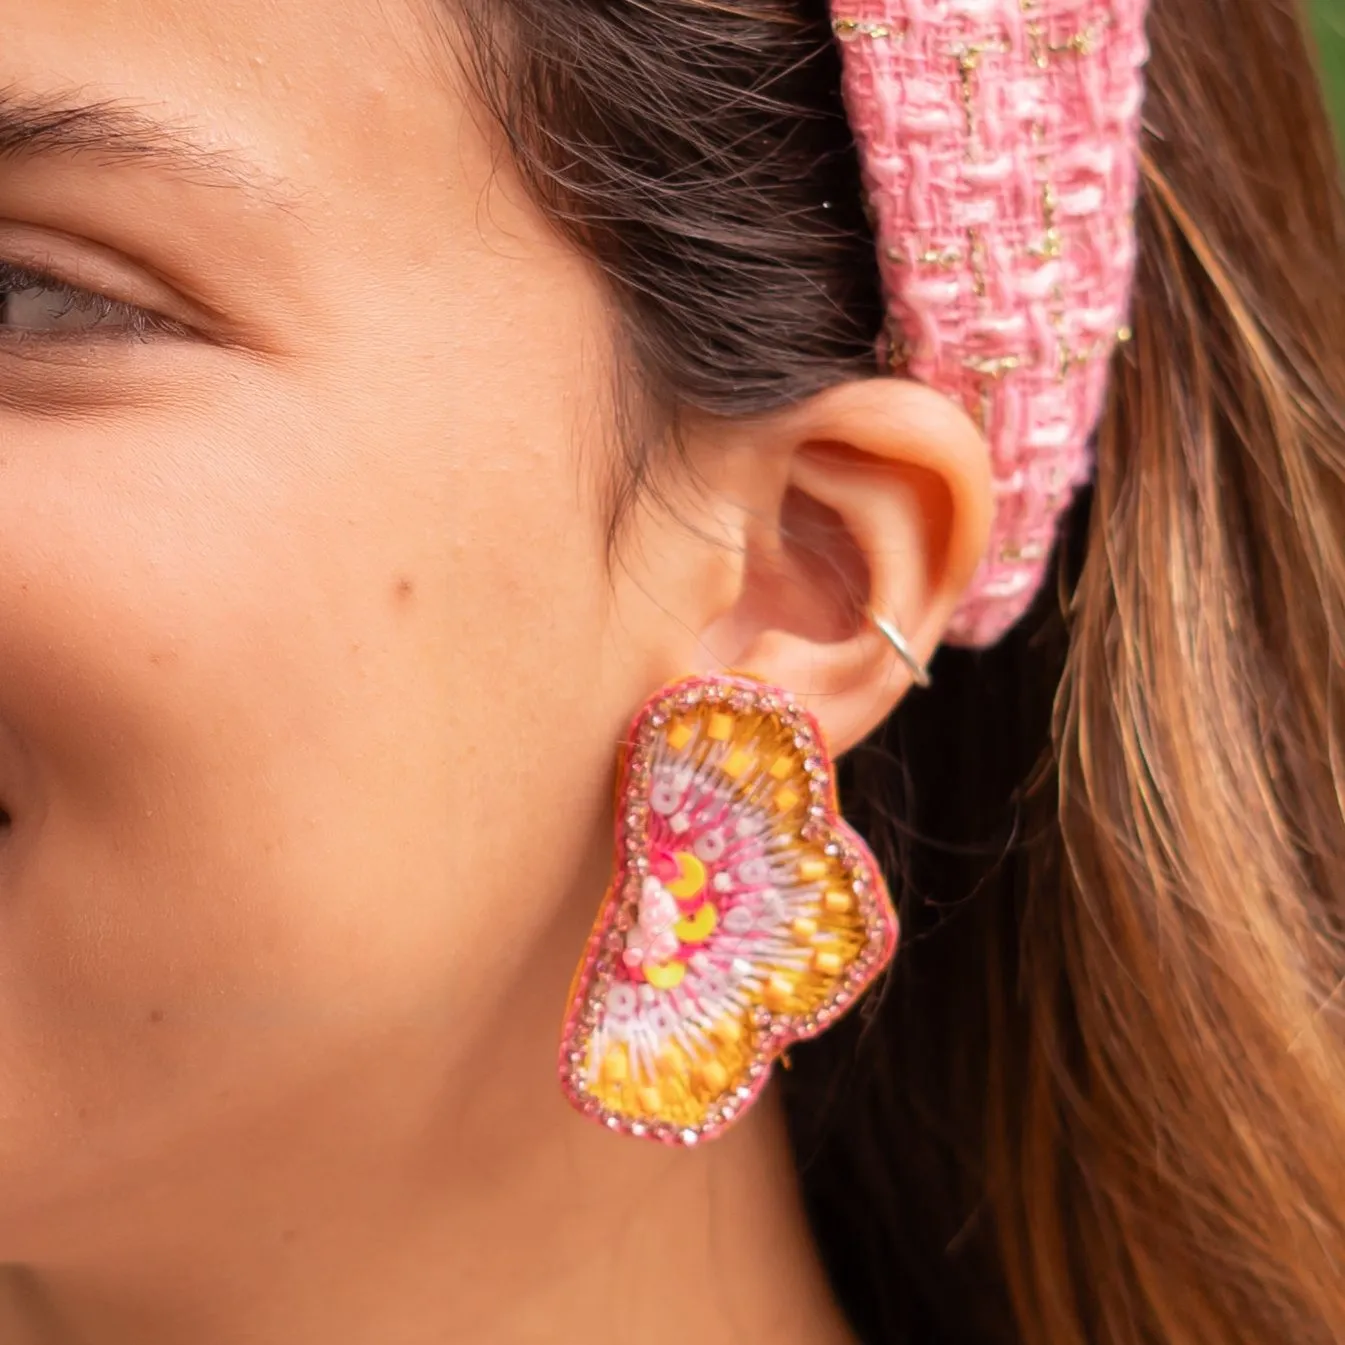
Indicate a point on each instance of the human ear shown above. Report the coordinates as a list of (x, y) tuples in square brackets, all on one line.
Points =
[(872, 498)]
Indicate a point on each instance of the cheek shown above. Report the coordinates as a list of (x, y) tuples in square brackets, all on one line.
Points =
[(305, 737)]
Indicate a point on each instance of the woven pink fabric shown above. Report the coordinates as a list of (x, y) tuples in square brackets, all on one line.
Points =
[(999, 141)]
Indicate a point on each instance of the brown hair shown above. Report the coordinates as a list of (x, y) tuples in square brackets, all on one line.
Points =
[(1102, 1096)]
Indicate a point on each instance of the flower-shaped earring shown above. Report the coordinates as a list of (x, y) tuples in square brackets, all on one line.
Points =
[(744, 916)]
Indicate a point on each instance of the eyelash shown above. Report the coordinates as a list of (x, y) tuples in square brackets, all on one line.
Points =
[(132, 322)]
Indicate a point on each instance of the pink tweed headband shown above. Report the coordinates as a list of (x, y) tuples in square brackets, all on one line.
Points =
[(999, 143)]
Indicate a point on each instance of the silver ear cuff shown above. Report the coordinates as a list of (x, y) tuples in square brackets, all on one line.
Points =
[(919, 673)]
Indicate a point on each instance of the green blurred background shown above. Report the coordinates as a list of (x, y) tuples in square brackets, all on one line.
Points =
[(1329, 18)]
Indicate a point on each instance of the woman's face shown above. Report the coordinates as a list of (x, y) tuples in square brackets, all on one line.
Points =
[(310, 657)]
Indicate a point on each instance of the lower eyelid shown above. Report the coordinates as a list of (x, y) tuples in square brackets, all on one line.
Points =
[(109, 378)]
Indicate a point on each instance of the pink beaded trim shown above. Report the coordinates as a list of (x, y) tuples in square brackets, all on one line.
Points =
[(999, 141)]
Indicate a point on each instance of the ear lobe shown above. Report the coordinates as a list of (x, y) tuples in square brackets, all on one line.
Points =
[(886, 512)]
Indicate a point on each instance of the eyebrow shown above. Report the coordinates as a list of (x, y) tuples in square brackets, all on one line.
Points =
[(118, 133)]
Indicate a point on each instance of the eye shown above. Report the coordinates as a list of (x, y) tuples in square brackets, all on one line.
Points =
[(34, 305)]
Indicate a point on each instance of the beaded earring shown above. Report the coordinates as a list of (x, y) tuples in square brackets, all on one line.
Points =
[(744, 914)]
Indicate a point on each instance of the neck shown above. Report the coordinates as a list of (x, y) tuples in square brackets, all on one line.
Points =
[(366, 1215)]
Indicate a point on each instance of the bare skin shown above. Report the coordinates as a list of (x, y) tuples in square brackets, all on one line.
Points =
[(312, 666)]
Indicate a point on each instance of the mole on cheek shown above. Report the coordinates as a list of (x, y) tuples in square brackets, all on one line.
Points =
[(403, 591)]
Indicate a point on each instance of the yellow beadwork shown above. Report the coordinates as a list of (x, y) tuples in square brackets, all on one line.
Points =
[(713, 1077), (737, 764), (827, 963), (666, 975), (804, 931), (679, 735), (697, 928), (672, 1062), (691, 876), (779, 992), (727, 1032)]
